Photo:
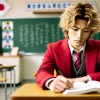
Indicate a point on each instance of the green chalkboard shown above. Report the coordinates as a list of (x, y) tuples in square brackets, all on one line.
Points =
[(97, 36), (33, 34)]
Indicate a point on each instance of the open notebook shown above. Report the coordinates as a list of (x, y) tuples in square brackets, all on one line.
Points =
[(81, 87)]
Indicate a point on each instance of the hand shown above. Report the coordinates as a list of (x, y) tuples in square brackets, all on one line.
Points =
[(60, 83), (80, 79)]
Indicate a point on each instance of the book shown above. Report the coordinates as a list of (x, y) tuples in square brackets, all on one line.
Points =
[(82, 87), (14, 51)]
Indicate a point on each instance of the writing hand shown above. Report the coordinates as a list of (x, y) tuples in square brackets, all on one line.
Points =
[(60, 83)]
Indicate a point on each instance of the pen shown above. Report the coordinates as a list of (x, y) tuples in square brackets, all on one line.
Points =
[(60, 73)]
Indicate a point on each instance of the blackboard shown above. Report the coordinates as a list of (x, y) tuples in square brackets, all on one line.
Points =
[(33, 34), (97, 36)]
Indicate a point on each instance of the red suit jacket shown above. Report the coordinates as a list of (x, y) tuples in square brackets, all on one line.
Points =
[(58, 57)]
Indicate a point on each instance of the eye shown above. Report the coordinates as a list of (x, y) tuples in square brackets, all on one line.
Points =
[(85, 31), (75, 29)]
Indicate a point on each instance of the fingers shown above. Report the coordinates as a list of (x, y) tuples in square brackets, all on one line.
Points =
[(69, 83), (60, 83), (63, 85), (62, 78), (56, 90), (66, 81), (56, 86)]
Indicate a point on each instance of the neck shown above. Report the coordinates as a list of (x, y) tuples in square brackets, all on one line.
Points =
[(77, 48)]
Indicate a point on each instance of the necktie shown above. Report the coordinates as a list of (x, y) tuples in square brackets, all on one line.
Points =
[(78, 60)]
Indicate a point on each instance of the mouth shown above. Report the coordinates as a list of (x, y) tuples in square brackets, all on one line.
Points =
[(77, 41)]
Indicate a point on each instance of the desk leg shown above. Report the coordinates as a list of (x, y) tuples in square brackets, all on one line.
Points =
[(2, 82), (5, 87), (14, 80), (10, 81)]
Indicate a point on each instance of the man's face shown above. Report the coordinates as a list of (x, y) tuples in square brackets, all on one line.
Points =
[(78, 34)]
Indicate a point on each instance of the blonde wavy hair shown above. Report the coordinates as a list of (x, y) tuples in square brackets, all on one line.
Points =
[(80, 11)]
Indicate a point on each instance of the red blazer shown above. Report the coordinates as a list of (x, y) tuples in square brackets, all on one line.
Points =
[(58, 57)]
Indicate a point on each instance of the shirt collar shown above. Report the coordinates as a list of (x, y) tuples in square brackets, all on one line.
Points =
[(72, 49)]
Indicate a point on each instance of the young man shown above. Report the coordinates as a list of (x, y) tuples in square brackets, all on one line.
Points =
[(77, 57)]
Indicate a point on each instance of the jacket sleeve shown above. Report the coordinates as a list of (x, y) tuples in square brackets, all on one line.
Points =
[(46, 69), (96, 75)]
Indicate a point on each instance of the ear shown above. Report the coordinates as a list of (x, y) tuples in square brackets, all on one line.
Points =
[(66, 34)]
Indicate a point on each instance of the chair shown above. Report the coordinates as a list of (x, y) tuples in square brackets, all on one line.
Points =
[(10, 68), (4, 80)]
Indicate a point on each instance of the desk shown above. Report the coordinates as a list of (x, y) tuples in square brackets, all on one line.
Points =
[(10, 68), (12, 60), (34, 92)]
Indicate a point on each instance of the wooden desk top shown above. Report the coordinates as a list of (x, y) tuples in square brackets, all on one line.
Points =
[(30, 91), (3, 79), (7, 66), (18, 56)]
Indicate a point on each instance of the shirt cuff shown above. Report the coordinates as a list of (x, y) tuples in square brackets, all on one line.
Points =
[(47, 82), (90, 79)]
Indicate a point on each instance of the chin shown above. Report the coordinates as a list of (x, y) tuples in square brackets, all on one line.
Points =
[(78, 44)]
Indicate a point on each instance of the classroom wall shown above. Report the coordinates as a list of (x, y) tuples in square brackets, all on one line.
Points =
[(18, 8), (32, 62)]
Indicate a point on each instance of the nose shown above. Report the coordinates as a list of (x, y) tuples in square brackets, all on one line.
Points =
[(79, 34)]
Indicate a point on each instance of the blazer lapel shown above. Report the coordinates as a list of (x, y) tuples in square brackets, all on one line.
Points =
[(65, 55), (91, 54)]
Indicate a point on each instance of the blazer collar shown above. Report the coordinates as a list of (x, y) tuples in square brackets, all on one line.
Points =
[(65, 55)]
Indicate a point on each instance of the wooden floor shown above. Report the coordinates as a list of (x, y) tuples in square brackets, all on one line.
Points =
[(8, 89)]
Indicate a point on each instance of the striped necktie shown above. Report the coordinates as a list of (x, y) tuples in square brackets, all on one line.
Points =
[(78, 60)]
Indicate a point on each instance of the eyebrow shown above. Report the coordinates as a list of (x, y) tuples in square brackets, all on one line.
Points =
[(78, 28)]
